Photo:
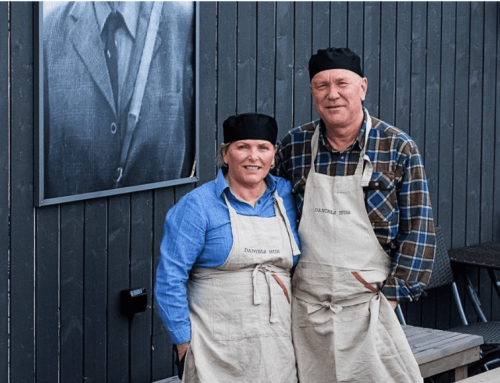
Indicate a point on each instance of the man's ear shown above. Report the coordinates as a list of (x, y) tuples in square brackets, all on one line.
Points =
[(364, 88)]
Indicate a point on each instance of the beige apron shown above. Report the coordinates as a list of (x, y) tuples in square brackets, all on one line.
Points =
[(344, 330), (240, 316)]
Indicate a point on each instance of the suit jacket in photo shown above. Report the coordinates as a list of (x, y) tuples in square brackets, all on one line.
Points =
[(83, 131)]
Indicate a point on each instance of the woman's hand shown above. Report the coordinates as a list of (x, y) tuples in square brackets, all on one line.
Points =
[(181, 349)]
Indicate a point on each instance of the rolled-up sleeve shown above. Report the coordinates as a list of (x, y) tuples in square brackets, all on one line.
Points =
[(183, 241), (412, 262)]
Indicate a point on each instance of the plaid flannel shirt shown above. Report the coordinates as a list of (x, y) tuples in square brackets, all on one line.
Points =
[(397, 198)]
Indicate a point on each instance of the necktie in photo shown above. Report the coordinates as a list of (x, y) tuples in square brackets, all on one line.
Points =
[(113, 22)]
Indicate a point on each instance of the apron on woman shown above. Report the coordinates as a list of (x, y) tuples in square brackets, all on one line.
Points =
[(240, 316), (344, 329)]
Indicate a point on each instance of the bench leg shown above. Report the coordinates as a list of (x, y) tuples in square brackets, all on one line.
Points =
[(460, 373)]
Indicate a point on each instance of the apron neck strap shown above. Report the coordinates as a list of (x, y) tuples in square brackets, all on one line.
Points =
[(368, 169), (279, 210)]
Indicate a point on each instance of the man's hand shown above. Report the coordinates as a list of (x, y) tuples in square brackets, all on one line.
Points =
[(181, 349), (394, 304)]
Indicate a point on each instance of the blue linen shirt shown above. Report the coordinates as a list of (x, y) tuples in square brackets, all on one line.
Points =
[(197, 233)]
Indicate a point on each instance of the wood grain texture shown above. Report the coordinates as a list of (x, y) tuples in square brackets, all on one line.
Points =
[(162, 348), (487, 149), (430, 151), (303, 106), (460, 127), (484, 377), (475, 124), (338, 23), (141, 263), (72, 290), (284, 66), (247, 57), (47, 297), (403, 63), (371, 56), (496, 201), (446, 121), (355, 27), (118, 280), (226, 64), (266, 57), (95, 290), (22, 230), (208, 91), (320, 32), (4, 189), (387, 63)]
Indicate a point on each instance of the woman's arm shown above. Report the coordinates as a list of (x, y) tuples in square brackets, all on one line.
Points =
[(183, 241)]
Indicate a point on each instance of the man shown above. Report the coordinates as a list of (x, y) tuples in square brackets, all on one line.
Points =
[(366, 232), (93, 59)]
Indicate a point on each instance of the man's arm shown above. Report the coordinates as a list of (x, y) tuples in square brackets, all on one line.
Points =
[(413, 261)]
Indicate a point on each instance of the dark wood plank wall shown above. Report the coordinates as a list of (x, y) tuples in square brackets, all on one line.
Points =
[(433, 71)]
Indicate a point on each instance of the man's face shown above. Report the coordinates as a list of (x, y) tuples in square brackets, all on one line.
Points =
[(337, 95)]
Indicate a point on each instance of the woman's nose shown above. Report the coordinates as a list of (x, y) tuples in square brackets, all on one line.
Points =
[(253, 153)]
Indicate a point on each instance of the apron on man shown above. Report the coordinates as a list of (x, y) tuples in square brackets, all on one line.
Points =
[(344, 329), (240, 316)]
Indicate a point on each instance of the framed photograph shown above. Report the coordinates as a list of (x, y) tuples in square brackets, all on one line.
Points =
[(118, 98)]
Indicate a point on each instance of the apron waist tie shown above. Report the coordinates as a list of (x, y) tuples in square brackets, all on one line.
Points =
[(323, 305), (257, 300)]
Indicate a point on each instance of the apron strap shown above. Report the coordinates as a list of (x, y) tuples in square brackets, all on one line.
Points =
[(269, 272), (279, 208), (365, 171)]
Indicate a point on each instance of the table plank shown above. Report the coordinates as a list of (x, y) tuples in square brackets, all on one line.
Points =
[(489, 376), (455, 361), (429, 345)]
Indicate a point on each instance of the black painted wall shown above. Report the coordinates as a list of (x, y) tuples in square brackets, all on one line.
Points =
[(433, 71)]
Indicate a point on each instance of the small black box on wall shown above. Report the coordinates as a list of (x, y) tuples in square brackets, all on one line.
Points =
[(134, 301)]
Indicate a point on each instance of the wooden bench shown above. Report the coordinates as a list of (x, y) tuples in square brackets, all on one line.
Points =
[(489, 376), (438, 351)]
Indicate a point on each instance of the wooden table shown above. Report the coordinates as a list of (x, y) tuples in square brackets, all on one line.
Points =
[(439, 351)]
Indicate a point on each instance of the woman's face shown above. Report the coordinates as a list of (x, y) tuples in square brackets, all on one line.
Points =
[(249, 161)]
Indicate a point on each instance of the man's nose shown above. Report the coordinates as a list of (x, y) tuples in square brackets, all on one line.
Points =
[(333, 92)]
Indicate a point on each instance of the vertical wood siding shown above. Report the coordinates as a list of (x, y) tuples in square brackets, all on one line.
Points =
[(433, 71)]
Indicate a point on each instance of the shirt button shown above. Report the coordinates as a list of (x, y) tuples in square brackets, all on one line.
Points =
[(113, 128), (342, 157), (258, 201), (376, 183)]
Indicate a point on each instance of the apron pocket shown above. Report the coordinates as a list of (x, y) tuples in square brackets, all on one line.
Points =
[(235, 316)]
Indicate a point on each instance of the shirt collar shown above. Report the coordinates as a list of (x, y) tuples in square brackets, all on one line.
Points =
[(359, 138), (128, 9), (221, 183)]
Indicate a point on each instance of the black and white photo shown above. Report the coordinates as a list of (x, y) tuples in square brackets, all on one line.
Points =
[(118, 95)]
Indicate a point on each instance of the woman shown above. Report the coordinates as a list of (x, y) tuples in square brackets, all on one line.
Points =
[(223, 282)]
